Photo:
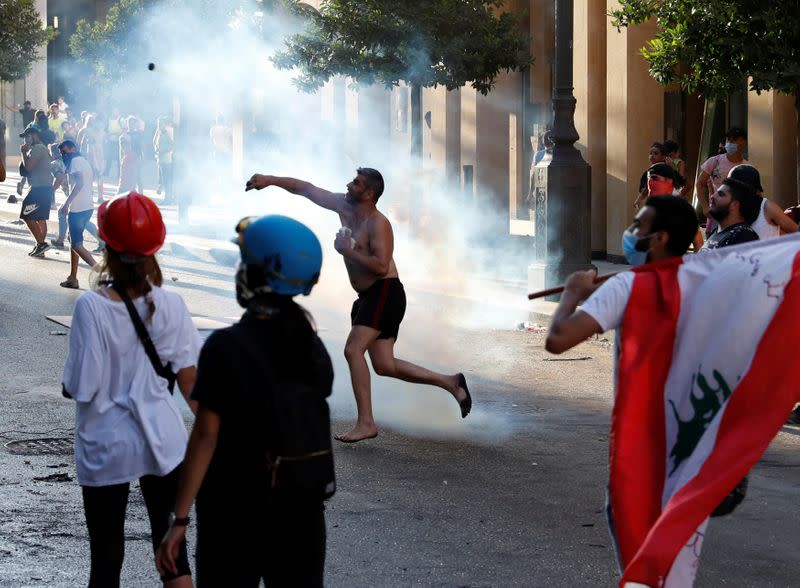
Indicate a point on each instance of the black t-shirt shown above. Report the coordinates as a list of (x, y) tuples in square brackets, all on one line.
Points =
[(27, 115), (733, 235), (234, 375), (47, 136)]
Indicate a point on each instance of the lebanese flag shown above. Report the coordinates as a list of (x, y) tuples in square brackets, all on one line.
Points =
[(702, 389)]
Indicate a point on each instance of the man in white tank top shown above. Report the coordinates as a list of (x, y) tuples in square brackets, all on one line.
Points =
[(772, 221)]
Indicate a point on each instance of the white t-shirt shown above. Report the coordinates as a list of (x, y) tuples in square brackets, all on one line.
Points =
[(607, 306), (127, 424), (763, 228), (83, 200), (608, 303)]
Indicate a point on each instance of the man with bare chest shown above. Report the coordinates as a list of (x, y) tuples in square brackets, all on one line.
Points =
[(377, 313)]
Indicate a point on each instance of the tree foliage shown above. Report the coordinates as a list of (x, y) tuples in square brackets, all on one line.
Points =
[(431, 43), (136, 28), (21, 34), (711, 46), (107, 45)]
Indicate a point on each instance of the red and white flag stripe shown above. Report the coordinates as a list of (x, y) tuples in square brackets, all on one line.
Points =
[(702, 389)]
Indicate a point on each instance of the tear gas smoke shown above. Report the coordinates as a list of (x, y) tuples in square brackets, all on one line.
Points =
[(224, 69)]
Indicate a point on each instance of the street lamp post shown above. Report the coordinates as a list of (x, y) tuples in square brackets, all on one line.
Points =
[(562, 196)]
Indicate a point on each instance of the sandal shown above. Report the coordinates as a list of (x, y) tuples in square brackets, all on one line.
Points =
[(70, 283), (466, 403)]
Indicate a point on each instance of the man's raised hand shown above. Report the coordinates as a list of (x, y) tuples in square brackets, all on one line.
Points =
[(582, 284), (257, 182)]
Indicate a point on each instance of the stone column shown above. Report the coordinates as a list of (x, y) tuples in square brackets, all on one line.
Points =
[(771, 128), (562, 192), (590, 111)]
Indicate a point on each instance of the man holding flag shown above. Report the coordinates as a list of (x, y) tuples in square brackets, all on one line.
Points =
[(691, 373)]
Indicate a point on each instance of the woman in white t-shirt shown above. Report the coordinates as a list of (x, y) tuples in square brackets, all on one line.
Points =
[(127, 425)]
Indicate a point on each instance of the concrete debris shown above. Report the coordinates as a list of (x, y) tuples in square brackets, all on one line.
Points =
[(60, 477), (532, 327)]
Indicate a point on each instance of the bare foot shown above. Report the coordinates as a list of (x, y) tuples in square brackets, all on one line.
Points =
[(358, 433)]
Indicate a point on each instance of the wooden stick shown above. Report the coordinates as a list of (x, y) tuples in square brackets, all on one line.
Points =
[(560, 289)]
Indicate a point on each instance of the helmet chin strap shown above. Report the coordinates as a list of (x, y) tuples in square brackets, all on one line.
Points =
[(257, 308)]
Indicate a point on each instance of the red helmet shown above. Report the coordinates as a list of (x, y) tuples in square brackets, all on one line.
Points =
[(131, 224)]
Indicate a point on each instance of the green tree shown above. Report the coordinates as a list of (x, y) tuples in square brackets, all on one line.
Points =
[(116, 45), (108, 45), (426, 44), (21, 35), (711, 46)]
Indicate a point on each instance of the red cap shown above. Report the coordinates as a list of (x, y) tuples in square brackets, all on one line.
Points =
[(131, 224)]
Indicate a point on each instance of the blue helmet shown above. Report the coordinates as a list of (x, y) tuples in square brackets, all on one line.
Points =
[(279, 255)]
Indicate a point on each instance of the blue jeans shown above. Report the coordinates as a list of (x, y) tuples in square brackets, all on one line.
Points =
[(62, 227)]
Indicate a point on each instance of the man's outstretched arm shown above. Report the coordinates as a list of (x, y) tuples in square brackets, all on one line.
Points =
[(570, 327), (318, 196)]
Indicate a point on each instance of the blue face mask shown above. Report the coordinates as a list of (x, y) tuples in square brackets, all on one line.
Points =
[(731, 148), (630, 247)]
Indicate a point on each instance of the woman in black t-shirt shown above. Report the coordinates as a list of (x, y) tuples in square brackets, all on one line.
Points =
[(259, 458)]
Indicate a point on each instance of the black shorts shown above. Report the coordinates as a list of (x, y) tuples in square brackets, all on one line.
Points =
[(36, 205), (381, 307)]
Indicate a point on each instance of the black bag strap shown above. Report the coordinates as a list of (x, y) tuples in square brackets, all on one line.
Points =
[(165, 371)]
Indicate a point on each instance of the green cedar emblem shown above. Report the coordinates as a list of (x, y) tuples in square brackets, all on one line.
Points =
[(705, 406)]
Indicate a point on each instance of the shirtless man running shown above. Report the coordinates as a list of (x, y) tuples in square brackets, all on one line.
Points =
[(381, 303)]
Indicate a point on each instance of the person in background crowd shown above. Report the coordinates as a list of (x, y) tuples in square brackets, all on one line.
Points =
[(46, 136), (771, 221), (55, 122), (59, 172), (82, 123), (128, 158), (163, 147), (43, 123), (68, 132), (36, 206), (679, 165), (63, 107), (658, 153), (127, 425), (716, 169), (661, 180), (26, 111), (78, 208), (114, 130), (545, 143), (136, 134), (734, 207), (91, 144)]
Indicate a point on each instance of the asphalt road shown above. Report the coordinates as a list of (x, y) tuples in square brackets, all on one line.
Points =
[(511, 496)]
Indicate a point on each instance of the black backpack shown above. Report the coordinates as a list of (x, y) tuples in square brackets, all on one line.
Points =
[(298, 454)]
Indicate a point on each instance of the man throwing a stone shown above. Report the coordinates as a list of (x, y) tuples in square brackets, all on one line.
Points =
[(367, 249)]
